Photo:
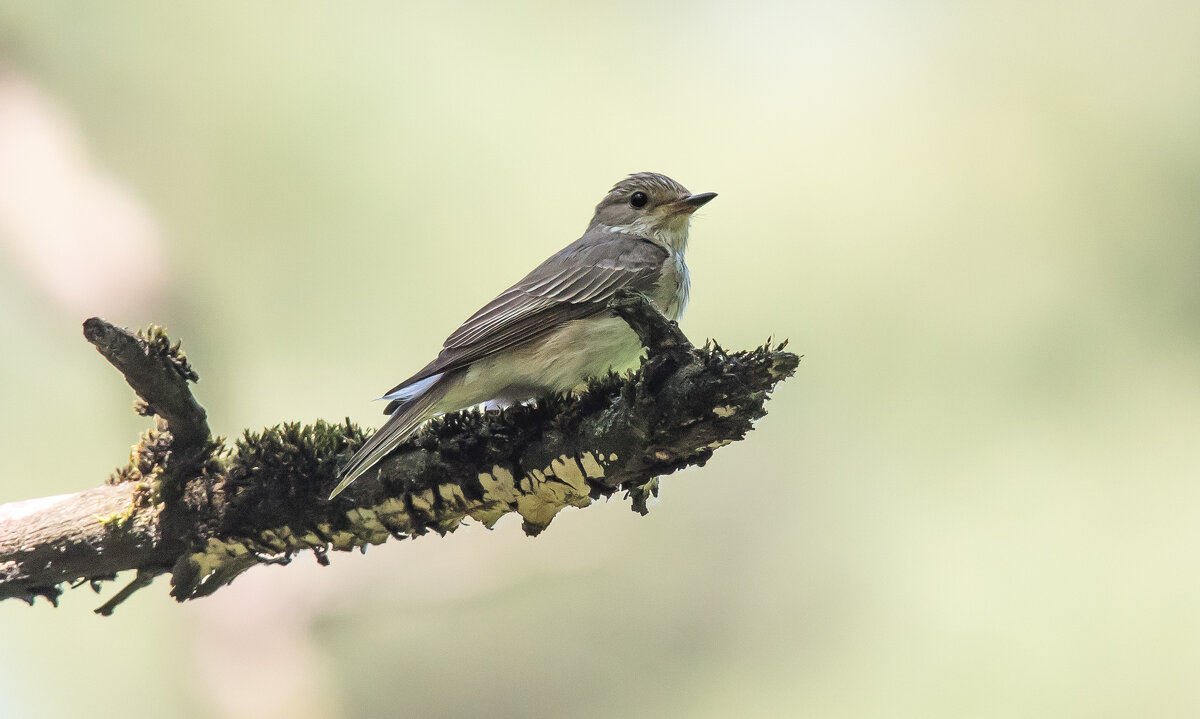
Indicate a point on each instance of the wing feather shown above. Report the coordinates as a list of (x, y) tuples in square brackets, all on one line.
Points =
[(575, 283)]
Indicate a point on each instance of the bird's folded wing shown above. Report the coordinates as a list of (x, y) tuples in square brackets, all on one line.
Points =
[(573, 284)]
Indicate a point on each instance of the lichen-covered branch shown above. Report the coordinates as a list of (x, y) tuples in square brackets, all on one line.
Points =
[(158, 372), (263, 498)]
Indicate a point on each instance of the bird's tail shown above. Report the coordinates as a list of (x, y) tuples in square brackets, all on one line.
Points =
[(399, 427)]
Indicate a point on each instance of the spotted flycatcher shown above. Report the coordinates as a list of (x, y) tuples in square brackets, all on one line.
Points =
[(553, 330)]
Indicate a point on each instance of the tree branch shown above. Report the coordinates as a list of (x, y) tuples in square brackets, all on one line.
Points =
[(206, 512)]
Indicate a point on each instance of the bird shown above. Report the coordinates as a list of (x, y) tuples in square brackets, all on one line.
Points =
[(552, 331)]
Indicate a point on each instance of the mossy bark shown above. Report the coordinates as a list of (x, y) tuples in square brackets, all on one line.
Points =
[(206, 512)]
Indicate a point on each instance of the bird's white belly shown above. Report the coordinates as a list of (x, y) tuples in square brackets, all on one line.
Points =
[(558, 362)]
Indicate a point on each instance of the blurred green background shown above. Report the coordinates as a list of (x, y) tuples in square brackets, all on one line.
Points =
[(979, 222)]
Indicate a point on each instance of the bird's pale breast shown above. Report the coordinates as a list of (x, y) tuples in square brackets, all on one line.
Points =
[(671, 295)]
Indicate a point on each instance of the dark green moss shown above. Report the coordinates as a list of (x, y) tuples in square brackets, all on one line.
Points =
[(284, 471), (158, 344)]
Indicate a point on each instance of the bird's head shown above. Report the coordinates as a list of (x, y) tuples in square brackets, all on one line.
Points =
[(652, 206)]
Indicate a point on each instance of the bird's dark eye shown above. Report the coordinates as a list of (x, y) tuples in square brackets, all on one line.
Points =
[(638, 199)]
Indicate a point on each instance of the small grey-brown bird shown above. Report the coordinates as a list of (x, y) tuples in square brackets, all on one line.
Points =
[(553, 330)]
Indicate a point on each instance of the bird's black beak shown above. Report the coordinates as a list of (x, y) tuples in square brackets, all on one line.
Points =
[(691, 203)]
